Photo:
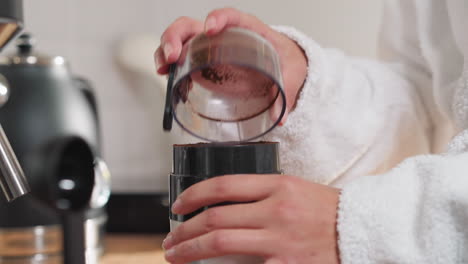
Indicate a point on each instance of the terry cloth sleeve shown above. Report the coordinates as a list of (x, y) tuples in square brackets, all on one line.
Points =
[(416, 213), (353, 117)]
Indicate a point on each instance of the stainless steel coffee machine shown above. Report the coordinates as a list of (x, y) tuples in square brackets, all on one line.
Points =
[(50, 117), (12, 180)]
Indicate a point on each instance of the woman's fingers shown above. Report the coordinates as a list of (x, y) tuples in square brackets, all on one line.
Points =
[(219, 19), (176, 34), (295, 223), (236, 216), (229, 188), (252, 242), (184, 28)]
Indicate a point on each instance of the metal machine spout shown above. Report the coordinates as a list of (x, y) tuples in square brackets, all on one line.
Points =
[(12, 179)]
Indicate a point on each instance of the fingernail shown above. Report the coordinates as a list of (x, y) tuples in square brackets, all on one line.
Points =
[(159, 62), (210, 24), (159, 67), (167, 243), (176, 206), (167, 50), (170, 253)]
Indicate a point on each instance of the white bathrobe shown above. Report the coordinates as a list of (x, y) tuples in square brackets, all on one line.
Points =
[(403, 120)]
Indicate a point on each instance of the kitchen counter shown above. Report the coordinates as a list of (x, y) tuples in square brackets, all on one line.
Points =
[(141, 249)]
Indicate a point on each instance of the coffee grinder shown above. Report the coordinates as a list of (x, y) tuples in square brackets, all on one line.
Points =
[(227, 91)]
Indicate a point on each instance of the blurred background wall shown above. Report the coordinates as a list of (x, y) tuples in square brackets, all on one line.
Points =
[(89, 33)]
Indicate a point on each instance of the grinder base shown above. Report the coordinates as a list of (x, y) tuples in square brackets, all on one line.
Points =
[(193, 163)]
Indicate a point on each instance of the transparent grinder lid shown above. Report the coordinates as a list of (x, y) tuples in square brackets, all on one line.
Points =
[(226, 87)]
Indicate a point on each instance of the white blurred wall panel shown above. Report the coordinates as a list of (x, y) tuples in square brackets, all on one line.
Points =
[(87, 32)]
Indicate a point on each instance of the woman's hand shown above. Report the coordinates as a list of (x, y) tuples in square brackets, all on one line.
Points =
[(283, 219), (293, 61)]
